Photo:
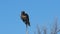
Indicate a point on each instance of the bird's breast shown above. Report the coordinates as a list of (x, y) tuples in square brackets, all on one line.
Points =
[(23, 16)]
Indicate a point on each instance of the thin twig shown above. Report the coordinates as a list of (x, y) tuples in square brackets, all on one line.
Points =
[(27, 30), (45, 30), (58, 30), (34, 32), (38, 30)]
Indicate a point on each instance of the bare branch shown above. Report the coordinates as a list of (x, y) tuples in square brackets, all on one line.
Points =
[(54, 29)]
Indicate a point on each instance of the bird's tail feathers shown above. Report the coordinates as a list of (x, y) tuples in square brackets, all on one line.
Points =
[(28, 23)]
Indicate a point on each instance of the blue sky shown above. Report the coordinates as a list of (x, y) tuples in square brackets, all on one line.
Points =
[(41, 12)]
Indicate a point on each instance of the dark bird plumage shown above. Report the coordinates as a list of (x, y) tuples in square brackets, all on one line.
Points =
[(25, 18)]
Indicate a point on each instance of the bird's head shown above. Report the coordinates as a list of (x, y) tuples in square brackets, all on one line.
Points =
[(23, 12)]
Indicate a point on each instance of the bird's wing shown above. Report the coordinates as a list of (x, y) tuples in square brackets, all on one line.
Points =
[(27, 16)]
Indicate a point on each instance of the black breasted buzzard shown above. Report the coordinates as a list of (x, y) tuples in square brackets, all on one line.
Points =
[(25, 18)]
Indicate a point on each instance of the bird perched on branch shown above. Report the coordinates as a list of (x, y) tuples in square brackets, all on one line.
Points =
[(25, 18)]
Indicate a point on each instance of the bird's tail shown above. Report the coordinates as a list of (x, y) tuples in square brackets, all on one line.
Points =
[(28, 23)]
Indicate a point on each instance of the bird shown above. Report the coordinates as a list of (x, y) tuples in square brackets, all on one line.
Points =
[(25, 18)]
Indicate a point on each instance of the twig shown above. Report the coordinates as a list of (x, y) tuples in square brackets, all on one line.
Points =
[(45, 30), (27, 30), (58, 30), (34, 32), (38, 30)]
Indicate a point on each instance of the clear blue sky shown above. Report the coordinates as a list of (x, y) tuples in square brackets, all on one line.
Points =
[(42, 12)]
